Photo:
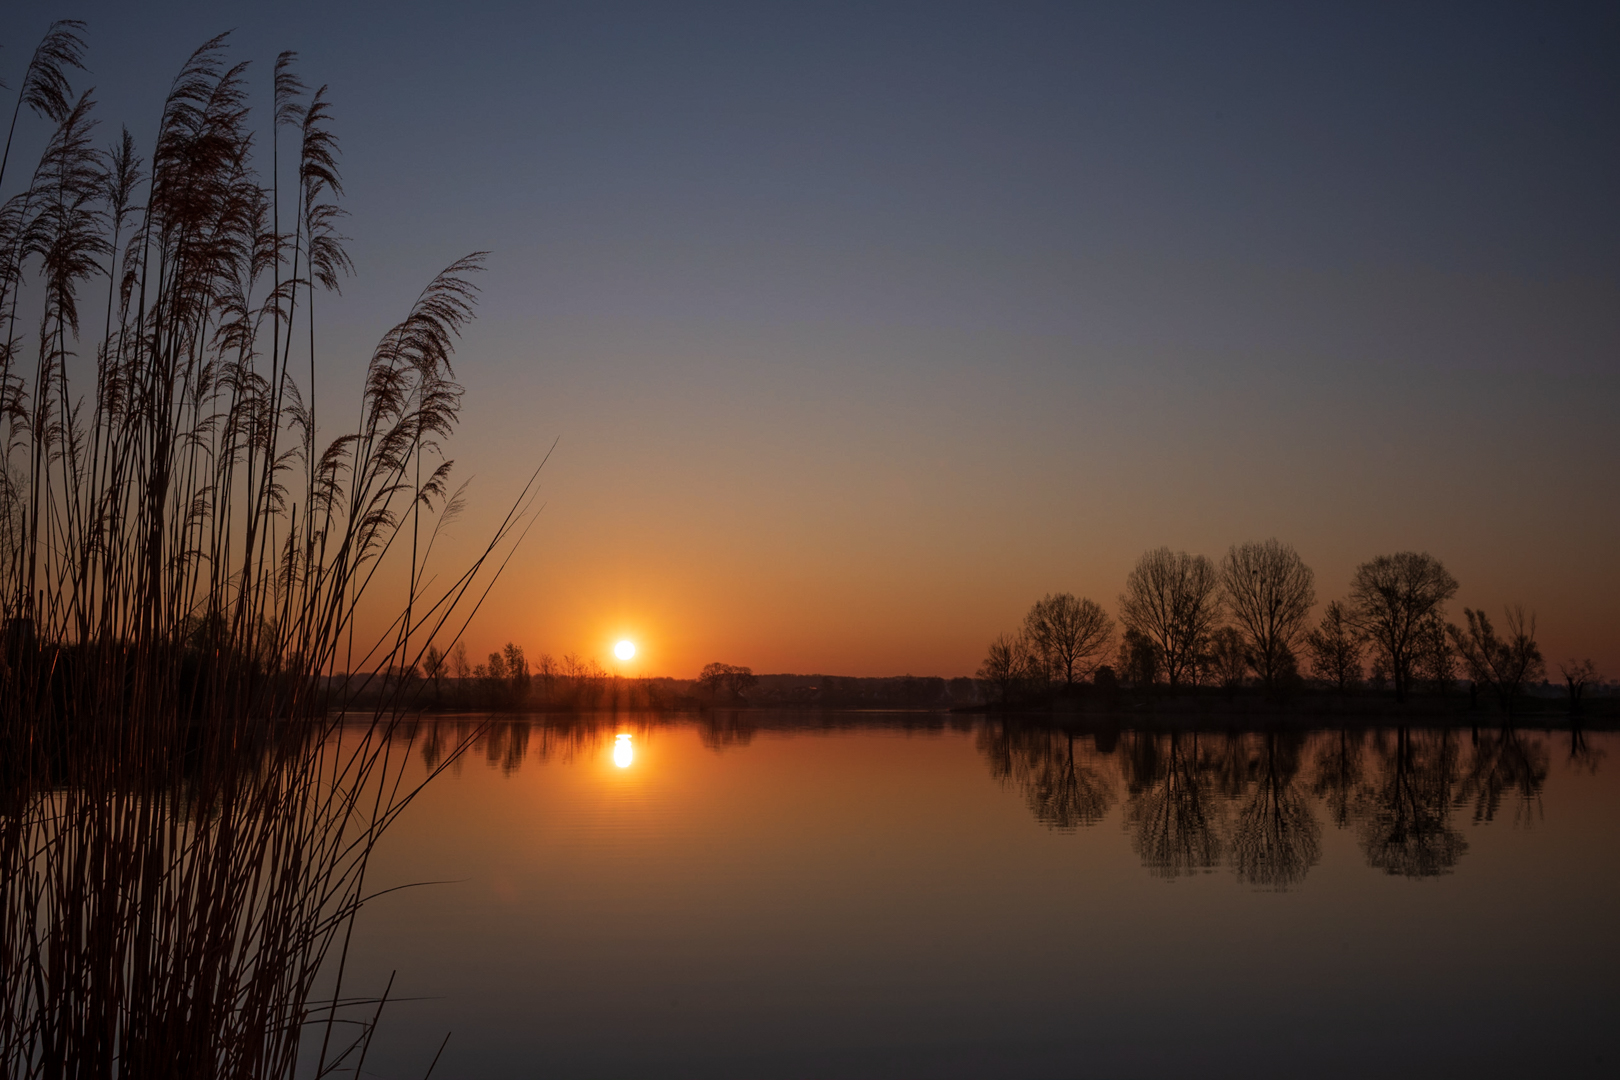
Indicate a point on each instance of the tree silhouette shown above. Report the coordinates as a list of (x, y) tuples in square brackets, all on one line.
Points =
[(1503, 664), (1012, 665), (1335, 648), (1269, 594), (1577, 675), (1394, 599), (1173, 599), (1072, 636), (726, 681)]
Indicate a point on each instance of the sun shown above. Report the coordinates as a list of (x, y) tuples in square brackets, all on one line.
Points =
[(625, 649)]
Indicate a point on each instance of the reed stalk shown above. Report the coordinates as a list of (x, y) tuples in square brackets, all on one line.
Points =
[(187, 803)]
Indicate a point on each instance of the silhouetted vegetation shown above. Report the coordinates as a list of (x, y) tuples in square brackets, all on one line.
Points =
[(1335, 649), (1173, 599), (1398, 601), (726, 682), (1069, 637), (1502, 664), (185, 823), (1245, 630), (1577, 676), (1268, 592)]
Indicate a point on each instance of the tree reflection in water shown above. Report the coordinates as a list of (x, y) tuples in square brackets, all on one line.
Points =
[(1338, 781), (1275, 837), (1173, 813), (1581, 755), (1193, 802), (723, 730), (1063, 785), (1407, 828), (1246, 800), (1505, 764)]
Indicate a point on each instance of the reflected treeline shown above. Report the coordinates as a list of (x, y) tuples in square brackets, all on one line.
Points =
[(507, 743), (1255, 803), (1275, 836), (1064, 787), (1172, 810), (1406, 828)]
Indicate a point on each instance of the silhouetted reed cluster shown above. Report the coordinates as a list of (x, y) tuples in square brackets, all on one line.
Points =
[(1188, 623), (184, 825)]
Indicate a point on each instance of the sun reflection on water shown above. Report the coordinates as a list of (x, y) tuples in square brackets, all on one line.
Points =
[(623, 752)]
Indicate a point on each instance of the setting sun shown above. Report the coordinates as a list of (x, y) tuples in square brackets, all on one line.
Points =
[(624, 650)]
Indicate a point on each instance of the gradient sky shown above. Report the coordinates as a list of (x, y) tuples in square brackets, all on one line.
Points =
[(861, 327)]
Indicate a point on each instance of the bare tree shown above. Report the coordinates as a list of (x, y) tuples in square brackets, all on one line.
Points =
[(1010, 664), (1071, 635), (1393, 597), (1174, 599), (1335, 648), (1269, 594), (1504, 664), (1577, 675)]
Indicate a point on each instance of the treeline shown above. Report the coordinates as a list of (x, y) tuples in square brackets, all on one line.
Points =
[(507, 681), (1184, 622)]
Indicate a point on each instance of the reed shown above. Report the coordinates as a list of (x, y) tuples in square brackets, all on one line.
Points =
[(187, 801)]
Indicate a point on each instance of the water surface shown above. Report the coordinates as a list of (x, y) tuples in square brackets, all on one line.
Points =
[(869, 895)]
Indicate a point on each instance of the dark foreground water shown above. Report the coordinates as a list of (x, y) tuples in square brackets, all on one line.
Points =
[(863, 895)]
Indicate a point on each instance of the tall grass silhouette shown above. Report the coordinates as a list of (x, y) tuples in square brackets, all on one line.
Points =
[(186, 807)]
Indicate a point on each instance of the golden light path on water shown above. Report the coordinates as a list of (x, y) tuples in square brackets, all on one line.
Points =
[(623, 752)]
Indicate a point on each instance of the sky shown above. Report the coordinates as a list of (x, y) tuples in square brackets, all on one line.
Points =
[(858, 328)]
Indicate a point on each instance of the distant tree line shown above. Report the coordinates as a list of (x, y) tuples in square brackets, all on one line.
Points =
[(1186, 622), (507, 681)]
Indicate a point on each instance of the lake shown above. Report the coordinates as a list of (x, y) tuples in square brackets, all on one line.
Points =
[(933, 895)]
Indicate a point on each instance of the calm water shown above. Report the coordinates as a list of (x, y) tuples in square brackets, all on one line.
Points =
[(759, 896)]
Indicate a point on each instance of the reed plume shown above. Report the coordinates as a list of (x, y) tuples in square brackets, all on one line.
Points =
[(187, 806)]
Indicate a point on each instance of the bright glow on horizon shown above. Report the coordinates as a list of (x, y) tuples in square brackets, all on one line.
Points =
[(625, 649), (623, 752)]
